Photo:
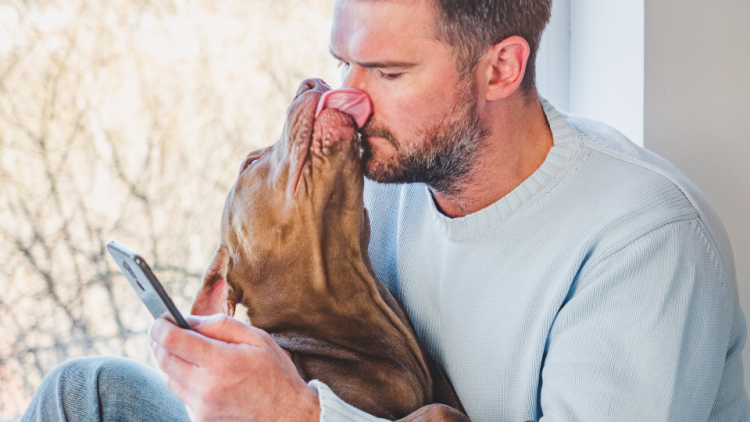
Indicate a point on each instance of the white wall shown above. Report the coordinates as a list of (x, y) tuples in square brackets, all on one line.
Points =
[(697, 109), (553, 57), (590, 62), (606, 74)]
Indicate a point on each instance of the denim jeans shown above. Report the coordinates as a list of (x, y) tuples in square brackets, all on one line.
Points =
[(104, 388)]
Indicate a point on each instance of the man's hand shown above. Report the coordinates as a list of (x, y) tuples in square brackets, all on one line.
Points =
[(228, 370)]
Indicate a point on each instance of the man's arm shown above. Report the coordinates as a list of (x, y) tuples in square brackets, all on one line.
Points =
[(652, 332)]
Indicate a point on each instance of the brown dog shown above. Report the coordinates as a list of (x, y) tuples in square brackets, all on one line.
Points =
[(293, 250)]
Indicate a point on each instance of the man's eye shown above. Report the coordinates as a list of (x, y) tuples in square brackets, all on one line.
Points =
[(344, 64), (390, 76)]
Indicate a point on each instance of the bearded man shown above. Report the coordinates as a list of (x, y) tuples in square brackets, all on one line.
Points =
[(553, 269)]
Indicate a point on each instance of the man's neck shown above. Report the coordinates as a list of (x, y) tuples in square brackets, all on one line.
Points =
[(519, 141)]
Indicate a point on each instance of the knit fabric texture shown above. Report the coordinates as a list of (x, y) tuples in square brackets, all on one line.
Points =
[(601, 289)]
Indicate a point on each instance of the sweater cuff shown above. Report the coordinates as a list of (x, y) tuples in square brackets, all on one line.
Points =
[(333, 409)]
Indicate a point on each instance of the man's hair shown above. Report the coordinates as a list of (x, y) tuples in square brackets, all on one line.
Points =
[(472, 27)]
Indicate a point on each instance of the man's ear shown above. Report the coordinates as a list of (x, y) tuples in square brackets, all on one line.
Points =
[(505, 66), (215, 295)]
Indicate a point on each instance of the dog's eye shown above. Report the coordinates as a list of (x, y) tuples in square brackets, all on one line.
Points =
[(254, 156), (247, 162)]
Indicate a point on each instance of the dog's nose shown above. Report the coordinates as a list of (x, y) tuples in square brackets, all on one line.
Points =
[(309, 84)]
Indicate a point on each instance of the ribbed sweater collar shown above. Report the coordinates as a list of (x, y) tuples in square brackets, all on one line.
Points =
[(559, 159)]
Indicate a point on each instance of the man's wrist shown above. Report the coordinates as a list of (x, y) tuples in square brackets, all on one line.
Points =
[(310, 405)]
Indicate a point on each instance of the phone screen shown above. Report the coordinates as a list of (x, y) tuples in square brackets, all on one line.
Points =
[(145, 283)]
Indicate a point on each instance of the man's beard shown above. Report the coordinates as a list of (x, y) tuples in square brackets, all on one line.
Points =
[(442, 156)]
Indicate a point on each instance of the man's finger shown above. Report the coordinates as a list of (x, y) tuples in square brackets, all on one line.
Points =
[(174, 366), (187, 344), (180, 391), (229, 330)]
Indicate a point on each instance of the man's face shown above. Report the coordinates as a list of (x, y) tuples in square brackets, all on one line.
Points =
[(425, 127)]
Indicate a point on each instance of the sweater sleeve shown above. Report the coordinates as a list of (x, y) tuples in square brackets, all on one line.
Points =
[(651, 332), (333, 409)]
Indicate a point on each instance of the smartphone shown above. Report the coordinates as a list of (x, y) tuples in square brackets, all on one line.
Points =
[(145, 283)]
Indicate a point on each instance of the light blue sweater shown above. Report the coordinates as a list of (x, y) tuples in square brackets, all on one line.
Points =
[(600, 289)]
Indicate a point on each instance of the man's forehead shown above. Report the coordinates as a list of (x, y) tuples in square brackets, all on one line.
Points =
[(403, 2), (367, 26)]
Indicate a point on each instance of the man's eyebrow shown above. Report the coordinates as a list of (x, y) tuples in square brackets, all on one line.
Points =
[(387, 64)]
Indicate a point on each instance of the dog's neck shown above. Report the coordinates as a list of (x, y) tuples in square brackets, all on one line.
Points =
[(330, 283)]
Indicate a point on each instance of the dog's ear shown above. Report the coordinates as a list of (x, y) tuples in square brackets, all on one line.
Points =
[(215, 295)]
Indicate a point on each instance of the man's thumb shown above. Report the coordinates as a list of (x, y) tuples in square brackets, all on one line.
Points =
[(227, 329)]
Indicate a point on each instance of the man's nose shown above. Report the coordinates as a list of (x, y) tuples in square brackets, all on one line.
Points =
[(355, 77)]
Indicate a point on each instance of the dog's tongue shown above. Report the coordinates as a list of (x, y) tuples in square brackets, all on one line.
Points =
[(348, 100)]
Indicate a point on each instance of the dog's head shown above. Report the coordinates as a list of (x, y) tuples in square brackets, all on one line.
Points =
[(295, 205)]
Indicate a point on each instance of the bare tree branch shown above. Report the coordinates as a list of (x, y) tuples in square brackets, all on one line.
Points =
[(129, 121)]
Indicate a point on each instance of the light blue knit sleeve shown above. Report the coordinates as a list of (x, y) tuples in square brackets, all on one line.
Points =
[(651, 332), (333, 409)]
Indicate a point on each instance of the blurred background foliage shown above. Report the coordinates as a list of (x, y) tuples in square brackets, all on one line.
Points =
[(127, 119)]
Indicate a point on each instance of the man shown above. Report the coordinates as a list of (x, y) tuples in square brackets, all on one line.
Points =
[(552, 268)]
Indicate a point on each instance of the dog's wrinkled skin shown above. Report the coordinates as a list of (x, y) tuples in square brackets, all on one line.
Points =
[(293, 251)]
